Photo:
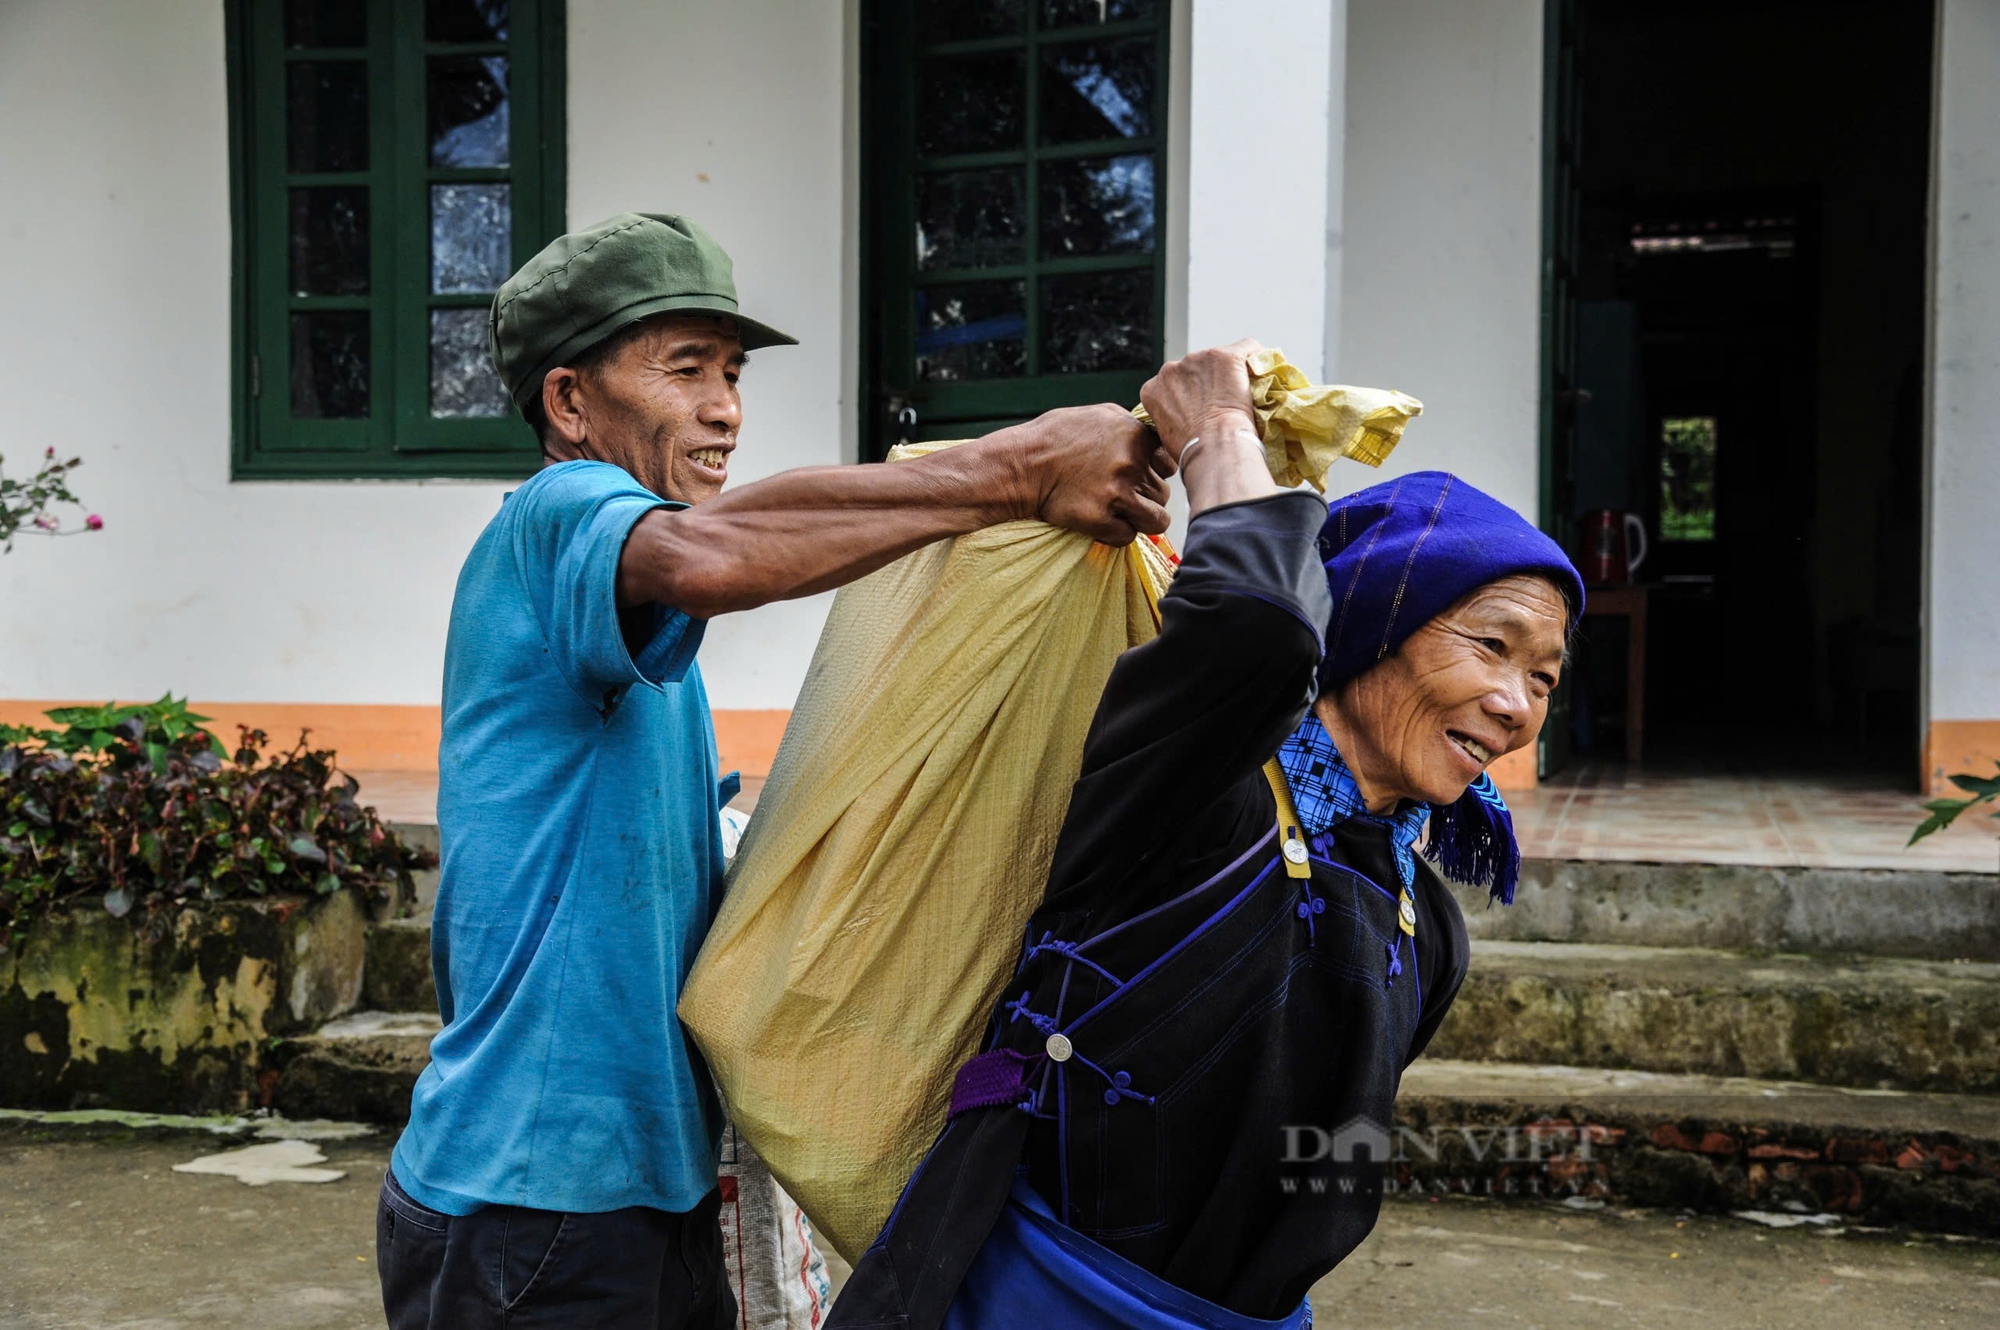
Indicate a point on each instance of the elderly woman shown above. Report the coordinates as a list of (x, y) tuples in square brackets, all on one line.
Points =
[(1181, 1115)]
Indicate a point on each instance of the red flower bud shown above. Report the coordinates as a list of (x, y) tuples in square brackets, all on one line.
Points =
[(93, 523)]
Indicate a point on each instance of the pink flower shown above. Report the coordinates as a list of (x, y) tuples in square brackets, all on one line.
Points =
[(45, 522), (48, 452), (93, 523)]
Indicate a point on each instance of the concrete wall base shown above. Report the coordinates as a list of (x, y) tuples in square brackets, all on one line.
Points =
[(94, 1014)]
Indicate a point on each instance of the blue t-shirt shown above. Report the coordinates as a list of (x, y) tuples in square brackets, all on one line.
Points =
[(577, 799)]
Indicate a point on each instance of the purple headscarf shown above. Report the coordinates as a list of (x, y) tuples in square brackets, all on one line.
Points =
[(1397, 555)]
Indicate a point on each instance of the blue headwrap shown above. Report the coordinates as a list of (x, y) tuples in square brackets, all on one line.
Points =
[(1399, 554)]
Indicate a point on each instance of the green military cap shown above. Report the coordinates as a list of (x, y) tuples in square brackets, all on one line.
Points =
[(590, 284)]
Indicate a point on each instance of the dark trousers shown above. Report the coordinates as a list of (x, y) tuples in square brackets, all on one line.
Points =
[(632, 1269)]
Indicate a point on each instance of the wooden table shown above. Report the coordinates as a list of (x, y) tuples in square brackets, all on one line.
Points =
[(1629, 601)]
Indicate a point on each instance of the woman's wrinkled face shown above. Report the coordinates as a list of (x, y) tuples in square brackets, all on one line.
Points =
[(1468, 686)]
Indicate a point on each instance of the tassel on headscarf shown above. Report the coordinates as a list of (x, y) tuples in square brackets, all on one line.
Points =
[(1472, 841)]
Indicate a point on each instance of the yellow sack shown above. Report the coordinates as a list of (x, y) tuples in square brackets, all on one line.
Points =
[(875, 907)]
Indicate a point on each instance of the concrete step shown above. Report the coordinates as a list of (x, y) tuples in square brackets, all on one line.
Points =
[(1871, 1022), (423, 835), (397, 974), (360, 1068), (1859, 911), (1589, 1135), (1705, 1143)]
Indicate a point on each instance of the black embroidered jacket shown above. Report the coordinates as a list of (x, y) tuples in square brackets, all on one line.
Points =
[(1209, 1049)]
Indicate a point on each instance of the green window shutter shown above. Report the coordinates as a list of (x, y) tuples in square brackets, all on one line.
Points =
[(1015, 155), (391, 164)]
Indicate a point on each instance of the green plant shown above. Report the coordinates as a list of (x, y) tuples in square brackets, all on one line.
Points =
[(24, 504), (99, 729), (143, 808), (1943, 812)]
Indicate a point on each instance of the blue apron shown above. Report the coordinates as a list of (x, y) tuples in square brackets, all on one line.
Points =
[(1037, 1271)]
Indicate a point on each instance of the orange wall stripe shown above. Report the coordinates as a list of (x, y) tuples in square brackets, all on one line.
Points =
[(1953, 746), (405, 738), (1515, 770)]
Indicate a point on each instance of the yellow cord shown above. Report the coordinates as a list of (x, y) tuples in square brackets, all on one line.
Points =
[(1291, 833)]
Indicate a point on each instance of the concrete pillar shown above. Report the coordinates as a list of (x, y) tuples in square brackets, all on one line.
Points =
[(1267, 119), (1962, 609), (1441, 232)]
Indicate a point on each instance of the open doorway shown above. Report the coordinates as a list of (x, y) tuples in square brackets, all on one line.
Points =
[(1745, 281)]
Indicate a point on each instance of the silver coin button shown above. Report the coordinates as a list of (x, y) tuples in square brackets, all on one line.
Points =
[(1058, 1048)]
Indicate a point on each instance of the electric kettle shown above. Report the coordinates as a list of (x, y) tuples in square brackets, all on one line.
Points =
[(1614, 545)]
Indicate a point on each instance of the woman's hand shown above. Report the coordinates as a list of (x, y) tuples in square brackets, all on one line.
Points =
[(1205, 394)]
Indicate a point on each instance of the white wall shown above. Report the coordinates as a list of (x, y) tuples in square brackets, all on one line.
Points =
[(114, 339), (114, 344), (1963, 610), (1441, 233), (759, 157), (1262, 116)]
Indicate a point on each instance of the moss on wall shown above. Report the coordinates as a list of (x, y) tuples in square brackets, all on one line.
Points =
[(94, 1013)]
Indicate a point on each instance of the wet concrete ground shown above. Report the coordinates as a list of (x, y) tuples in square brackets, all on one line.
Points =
[(1470, 1263), (100, 1233)]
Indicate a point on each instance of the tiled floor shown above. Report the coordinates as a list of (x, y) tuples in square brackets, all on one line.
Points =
[(1606, 811), (400, 796), (1603, 811)]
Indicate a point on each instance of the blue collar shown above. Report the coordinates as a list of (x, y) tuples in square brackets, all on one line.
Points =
[(1326, 794)]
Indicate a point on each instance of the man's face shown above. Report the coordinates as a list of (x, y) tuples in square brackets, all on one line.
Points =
[(664, 405), (1467, 687)]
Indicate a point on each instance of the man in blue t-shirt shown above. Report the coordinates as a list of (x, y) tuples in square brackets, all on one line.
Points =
[(559, 1165)]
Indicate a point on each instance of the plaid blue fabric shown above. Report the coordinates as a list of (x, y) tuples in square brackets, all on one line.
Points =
[(1326, 795)]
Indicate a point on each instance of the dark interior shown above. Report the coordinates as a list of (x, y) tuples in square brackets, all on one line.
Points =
[(1755, 179)]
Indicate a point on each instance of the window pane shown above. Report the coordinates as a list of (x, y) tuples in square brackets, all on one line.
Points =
[(970, 103), (1687, 478), (465, 21), (1069, 13), (955, 20), (330, 364), (1098, 321), (326, 115), (972, 219), (463, 381), (975, 331), (326, 23), (1101, 205), (472, 237), (468, 110), (1097, 90), (329, 241)]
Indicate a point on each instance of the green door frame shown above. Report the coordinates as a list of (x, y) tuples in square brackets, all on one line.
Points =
[(1562, 221)]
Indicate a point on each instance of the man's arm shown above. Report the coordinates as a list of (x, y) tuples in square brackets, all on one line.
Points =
[(1090, 469)]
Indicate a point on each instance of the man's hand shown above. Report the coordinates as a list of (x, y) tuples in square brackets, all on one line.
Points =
[(1205, 394), (1096, 470)]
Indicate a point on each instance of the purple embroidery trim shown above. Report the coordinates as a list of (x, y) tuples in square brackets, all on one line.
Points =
[(988, 1079)]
